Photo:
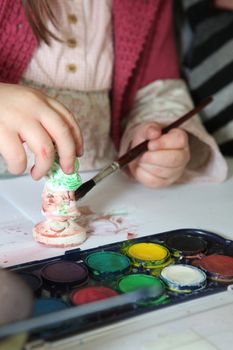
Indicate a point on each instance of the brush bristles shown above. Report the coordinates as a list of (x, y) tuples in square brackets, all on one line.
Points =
[(84, 189)]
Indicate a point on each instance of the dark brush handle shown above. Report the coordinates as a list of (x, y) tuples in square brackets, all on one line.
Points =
[(142, 147), (132, 154)]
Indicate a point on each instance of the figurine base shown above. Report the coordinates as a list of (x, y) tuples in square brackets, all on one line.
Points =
[(66, 235)]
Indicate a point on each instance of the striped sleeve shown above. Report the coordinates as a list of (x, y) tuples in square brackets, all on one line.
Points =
[(208, 66)]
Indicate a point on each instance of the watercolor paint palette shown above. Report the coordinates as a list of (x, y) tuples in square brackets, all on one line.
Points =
[(87, 289)]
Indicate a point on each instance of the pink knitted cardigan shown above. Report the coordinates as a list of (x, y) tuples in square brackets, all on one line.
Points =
[(143, 43)]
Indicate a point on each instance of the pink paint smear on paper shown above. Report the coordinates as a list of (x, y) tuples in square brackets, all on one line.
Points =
[(105, 224)]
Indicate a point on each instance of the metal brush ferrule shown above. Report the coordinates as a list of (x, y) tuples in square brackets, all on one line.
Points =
[(106, 171)]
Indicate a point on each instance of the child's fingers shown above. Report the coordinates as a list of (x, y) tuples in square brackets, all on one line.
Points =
[(175, 139), (12, 151), (40, 143), (67, 115), (41, 122), (163, 173), (149, 179), (61, 134), (166, 158), (160, 168)]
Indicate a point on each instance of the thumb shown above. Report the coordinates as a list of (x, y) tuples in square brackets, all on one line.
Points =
[(147, 131)]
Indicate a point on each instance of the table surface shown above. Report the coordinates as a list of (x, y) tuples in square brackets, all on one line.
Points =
[(204, 324)]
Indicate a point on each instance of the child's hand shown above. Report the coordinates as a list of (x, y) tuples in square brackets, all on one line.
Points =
[(166, 158), (27, 115)]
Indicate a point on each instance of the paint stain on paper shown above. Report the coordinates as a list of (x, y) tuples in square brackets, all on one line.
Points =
[(106, 223)]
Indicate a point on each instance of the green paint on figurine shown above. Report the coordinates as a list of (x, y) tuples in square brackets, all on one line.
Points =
[(57, 179)]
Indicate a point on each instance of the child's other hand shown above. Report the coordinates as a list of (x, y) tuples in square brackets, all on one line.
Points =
[(27, 115), (166, 158)]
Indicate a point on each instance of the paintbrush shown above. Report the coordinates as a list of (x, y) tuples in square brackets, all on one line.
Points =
[(72, 314), (135, 152)]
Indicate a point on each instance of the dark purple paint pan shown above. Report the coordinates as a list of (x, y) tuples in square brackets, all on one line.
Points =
[(64, 273)]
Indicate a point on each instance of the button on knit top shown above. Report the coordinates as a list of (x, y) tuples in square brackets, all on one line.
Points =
[(87, 50)]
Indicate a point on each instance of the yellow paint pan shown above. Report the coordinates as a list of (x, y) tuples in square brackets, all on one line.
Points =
[(147, 255)]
